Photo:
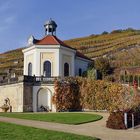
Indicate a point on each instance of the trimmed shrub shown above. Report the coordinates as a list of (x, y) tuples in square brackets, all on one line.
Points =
[(116, 120)]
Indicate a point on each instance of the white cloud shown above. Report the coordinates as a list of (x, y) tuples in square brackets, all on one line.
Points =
[(7, 22), (3, 28), (10, 19)]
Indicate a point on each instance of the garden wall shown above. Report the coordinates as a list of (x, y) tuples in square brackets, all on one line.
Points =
[(15, 93)]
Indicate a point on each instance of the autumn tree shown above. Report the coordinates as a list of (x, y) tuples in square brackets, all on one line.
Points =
[(91, 72), (104, 33), (103, 66)]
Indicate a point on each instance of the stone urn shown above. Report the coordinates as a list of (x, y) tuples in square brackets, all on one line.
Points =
[(5, 107)]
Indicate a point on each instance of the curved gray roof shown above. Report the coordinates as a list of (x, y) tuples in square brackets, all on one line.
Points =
[(50, 22)]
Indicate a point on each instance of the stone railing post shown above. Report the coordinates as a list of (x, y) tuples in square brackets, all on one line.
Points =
[(133, 125), (125, 120)]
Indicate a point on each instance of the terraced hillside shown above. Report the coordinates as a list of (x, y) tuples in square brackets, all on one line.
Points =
[(122, 47), (11, 61)]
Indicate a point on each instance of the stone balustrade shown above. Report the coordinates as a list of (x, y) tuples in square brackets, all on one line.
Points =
[(29, 79)]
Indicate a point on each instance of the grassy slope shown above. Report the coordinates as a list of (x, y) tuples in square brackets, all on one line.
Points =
[(119, 47), (67, 118), (17, 132)]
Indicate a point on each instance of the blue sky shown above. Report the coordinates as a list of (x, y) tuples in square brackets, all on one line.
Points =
[(75, 18)]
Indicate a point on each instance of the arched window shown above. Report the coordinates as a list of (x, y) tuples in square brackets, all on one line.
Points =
[(66, 69), (47, 69), (30, 69), (80, 72)]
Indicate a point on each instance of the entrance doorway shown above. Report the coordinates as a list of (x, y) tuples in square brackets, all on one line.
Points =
[(44, 100)]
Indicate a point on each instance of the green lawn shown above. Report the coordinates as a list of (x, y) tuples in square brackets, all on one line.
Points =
[(17, 132), (66, 118)]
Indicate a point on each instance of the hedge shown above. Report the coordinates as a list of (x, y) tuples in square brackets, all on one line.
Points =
[(83, 93)]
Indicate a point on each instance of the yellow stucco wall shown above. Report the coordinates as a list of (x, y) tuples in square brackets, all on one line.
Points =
[(50, 57), (29, 58), (15, 93)]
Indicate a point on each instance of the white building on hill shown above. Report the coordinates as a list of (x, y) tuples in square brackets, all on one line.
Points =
[(44, 60)]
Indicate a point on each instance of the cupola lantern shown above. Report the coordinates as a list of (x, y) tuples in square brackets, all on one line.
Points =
[(50, 27)]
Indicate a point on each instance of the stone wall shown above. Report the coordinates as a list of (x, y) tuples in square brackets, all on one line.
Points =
[(23, 96), (15, 93), (49, 90), (28, 97)]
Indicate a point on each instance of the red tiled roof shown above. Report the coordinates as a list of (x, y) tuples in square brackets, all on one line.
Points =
[(52, 40)]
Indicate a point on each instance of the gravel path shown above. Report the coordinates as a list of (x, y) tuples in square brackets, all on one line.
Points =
[(96, 129)]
